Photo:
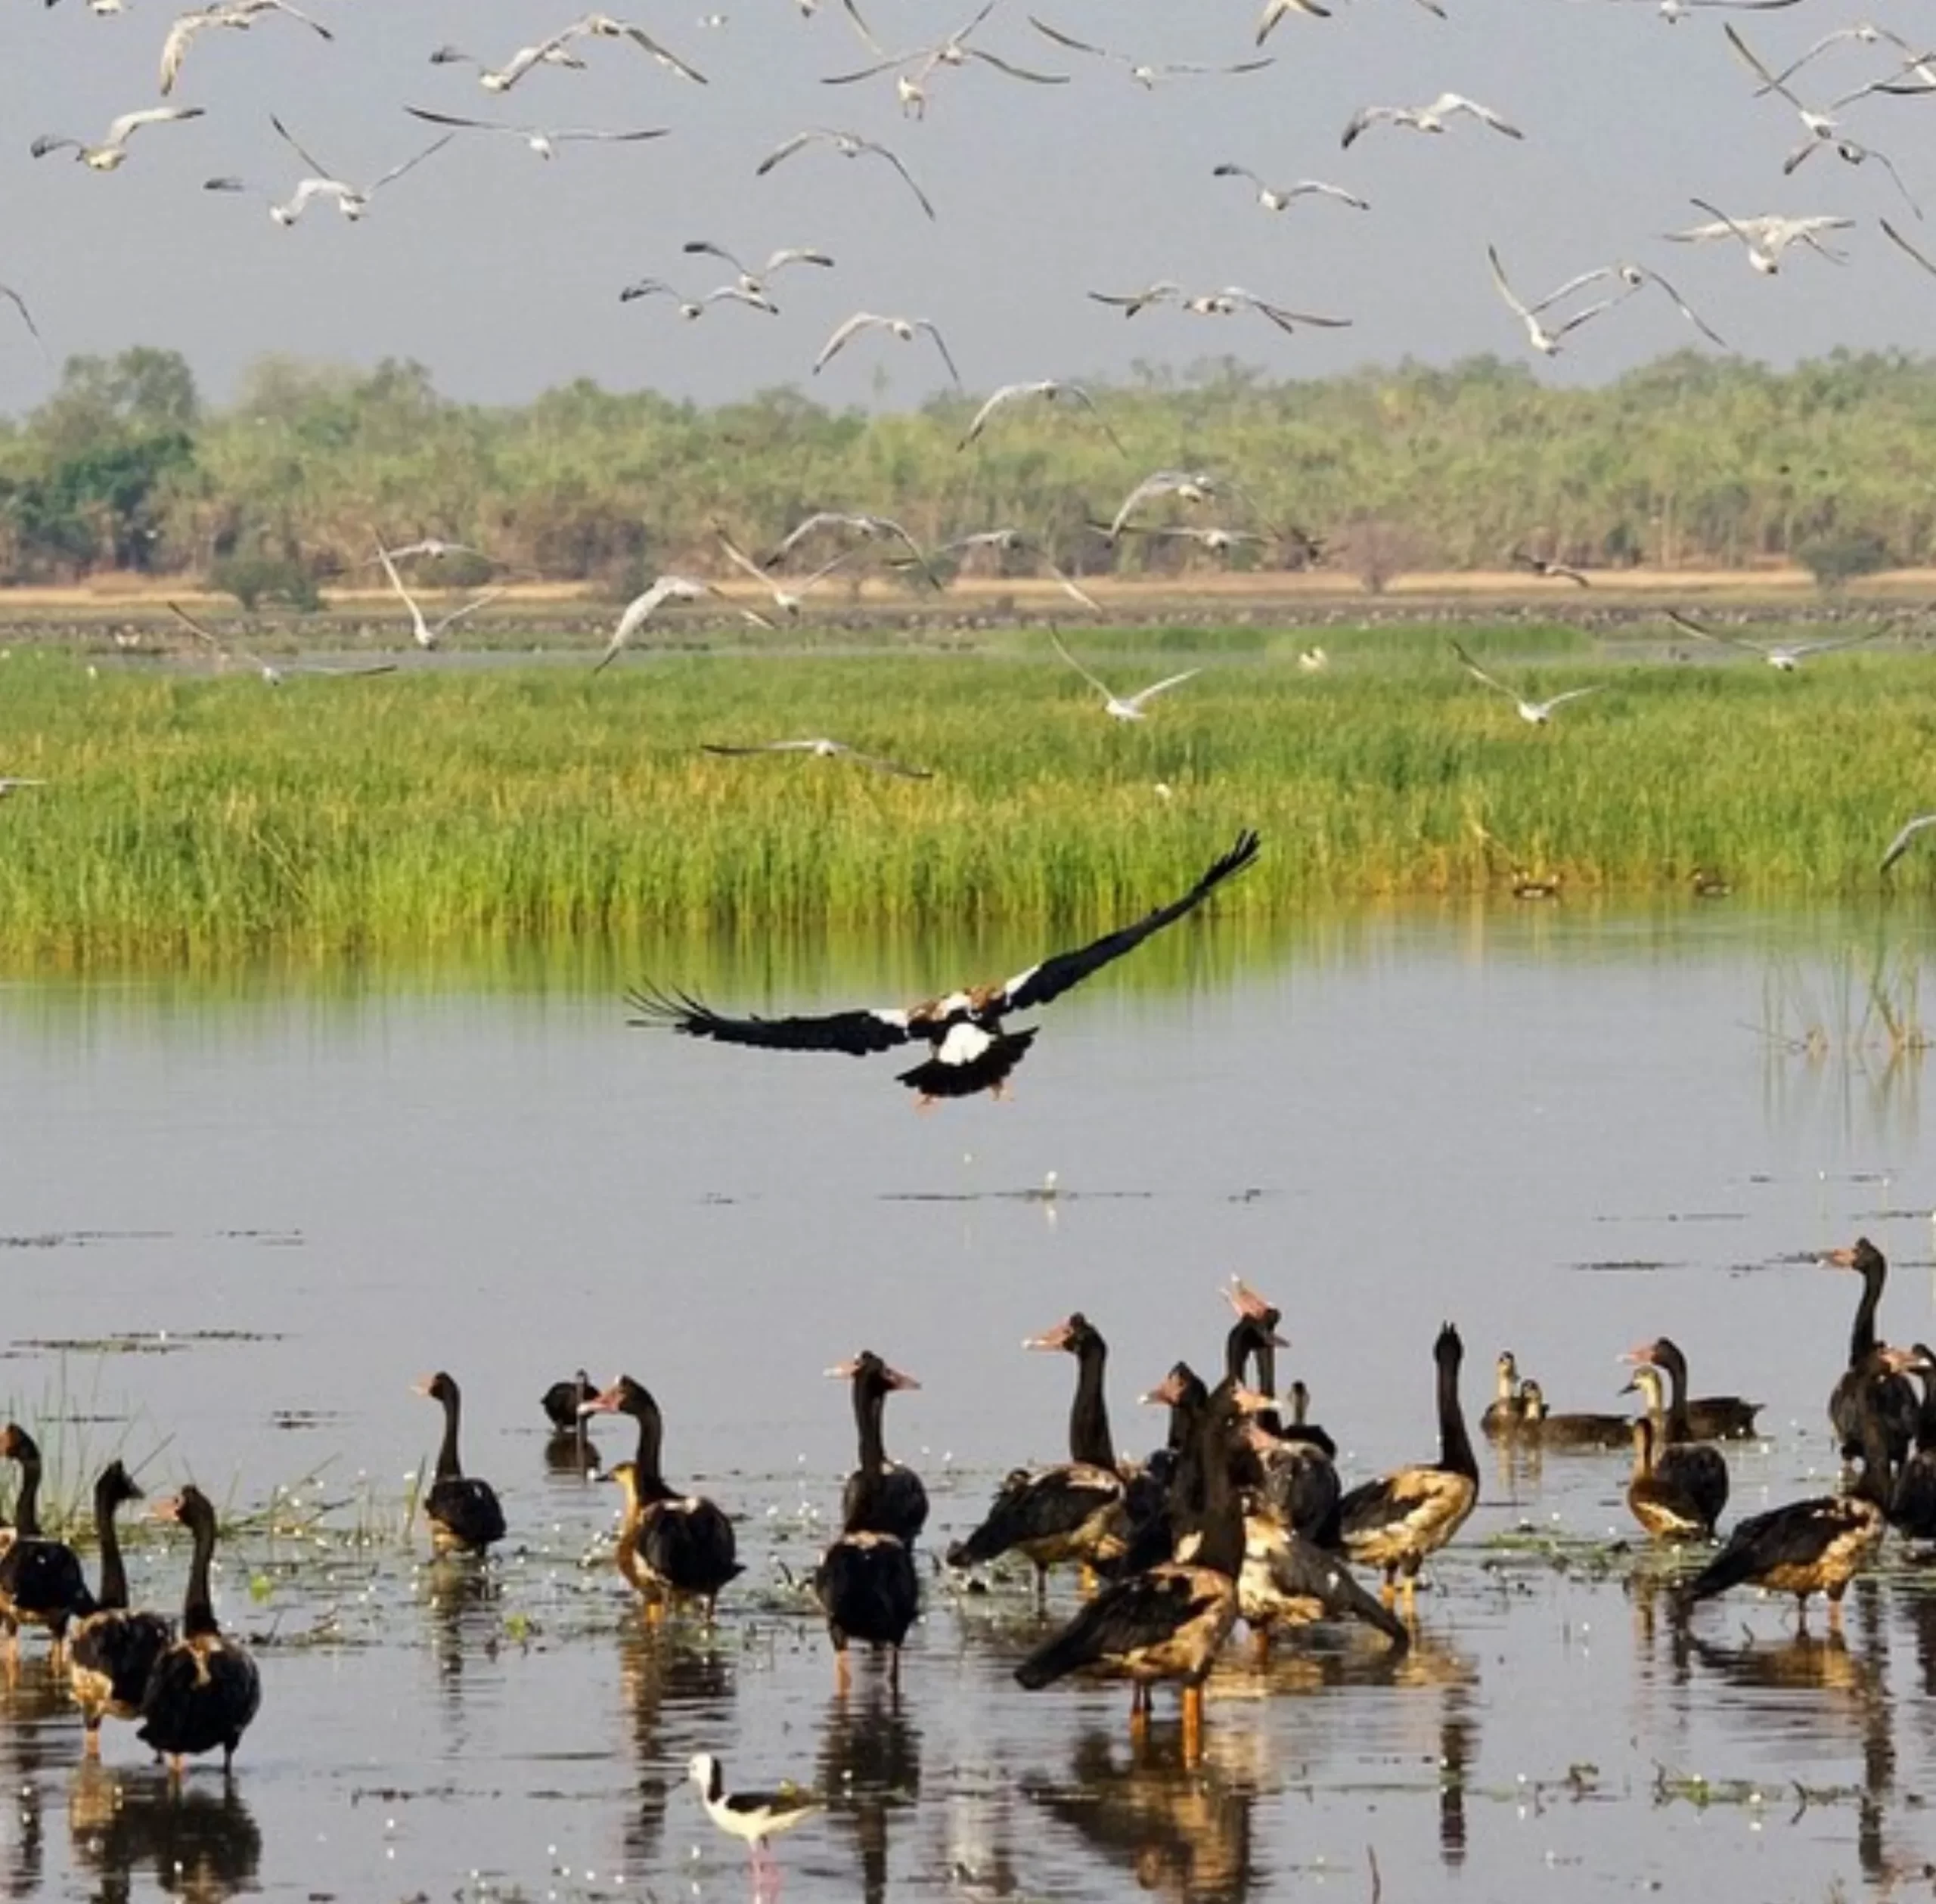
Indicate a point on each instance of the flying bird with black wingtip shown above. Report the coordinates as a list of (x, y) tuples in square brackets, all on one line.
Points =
[(970, 1049)]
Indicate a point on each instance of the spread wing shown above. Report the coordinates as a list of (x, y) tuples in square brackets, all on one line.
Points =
[(857, 1033), (1054, 976)]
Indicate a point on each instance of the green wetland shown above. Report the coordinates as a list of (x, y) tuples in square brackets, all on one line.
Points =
[(200, 820), (244, 1212)]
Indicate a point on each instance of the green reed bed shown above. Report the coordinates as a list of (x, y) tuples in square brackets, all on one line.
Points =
[(210, 819)]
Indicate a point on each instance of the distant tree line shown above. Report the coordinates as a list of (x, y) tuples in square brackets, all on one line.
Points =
[(1692, 461)]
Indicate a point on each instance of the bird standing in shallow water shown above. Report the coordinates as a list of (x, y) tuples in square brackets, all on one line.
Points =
[(204, 1689), (114, 1649), (40, 1581), (463, 1513), (752, 1817)]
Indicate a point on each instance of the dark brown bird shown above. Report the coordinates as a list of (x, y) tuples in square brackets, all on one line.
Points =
[(463, 1513), (1912, 1504), (1550, 1430), (865, 1583), (204, 1689), (1074, 1510), (1819, 1545), (1505, 1414), (895, 1501), (1896, 1402), (1395, 1522), (672, 1546), (564, 1401), (40, 1581), (1697, 1471), (113, 1648)]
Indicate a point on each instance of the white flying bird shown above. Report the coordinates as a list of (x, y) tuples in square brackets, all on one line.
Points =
[(352, 201), (1280, 198), (1862, 34), (953, 52), (239, 14), (1223, 302), (1120, 707), (1785, 659), (904, 328), (557, 51), (849, 145), (272, 675), (642, 609), (1209, 537), (1187, 486), (1146, 73), (113, 149), (425, 633), (1535, 714), (869, 528), (1545, 339), (1276, 9), (788, 601), (1851, 152), (1049, 390), (1767, 237), (434, 547), (1896, 238), (691, 308), (1674, 12), (541, 140), (1427, 119), (776, 260), (1011, 541), (820, 749), (1817, 124), (1897, 847)]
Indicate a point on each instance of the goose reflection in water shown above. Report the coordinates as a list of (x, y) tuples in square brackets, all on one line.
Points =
[(466, 1622), (1181, 1830), (677, 1691), (199, 1841), (870, 1767), (36, 1736)]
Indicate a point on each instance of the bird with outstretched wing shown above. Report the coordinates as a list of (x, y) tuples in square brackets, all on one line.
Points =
[(970, 1049)]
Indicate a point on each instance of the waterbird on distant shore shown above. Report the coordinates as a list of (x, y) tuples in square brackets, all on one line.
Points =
[(1123, 707), (1785, 658), (1545, 566), (108, 155), (240, 15), (970, 1048), (849, 145), (1146, 72), (1280, 198), (1426, 118), (543, 141), (1535, 714), (1896, 847), (820, 749)]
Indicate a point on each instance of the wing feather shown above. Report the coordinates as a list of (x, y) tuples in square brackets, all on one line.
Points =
[(1054, 976), (858, 1034)]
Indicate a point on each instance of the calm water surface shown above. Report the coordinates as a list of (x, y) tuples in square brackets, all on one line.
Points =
[(238, 1225)]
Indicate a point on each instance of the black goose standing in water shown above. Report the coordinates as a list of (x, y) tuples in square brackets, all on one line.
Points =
[(204, 1689), (895, 1503), (1896, 1400), (1071, 1511), (1817, 1545), (463, 1513), (1912, 1503), (41, 1580), (1288, 1469), (1695, 1471), (113, 1648), (564, 1402), (1394, 1523), (673, 1546), (970, 1048), (1167, 1623), (865, 1583)]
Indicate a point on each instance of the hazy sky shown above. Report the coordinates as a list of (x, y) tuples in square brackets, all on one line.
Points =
[(501, 272)]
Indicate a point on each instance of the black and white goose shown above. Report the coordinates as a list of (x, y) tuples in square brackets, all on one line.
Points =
[(970, 1049)]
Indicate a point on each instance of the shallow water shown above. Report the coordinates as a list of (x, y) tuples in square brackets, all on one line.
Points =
[(238, 1226)]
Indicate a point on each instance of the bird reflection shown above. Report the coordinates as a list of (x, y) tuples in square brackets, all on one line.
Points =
[(571, 1455), (665, 1672), (870, 1765), (36, 1733), (1183, 1831), (200, 1841), (461, 1596)]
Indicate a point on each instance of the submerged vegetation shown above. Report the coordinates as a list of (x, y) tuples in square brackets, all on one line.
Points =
[(206, 819)]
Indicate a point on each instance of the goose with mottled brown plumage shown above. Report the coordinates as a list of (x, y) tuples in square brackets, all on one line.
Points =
[(40, 1581), (1697, 1471)]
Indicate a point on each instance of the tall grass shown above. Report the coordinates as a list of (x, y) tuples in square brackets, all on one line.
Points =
[(208, 821)]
